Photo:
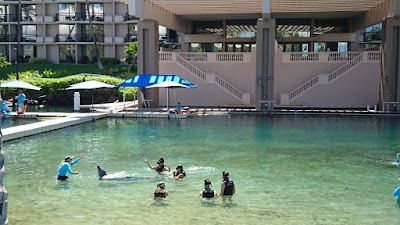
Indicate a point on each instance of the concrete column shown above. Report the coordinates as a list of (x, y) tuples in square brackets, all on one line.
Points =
[(224, 45), (354, 46), (390, 78), (265, 62), (312, 27), (148, 56), (3, 191)]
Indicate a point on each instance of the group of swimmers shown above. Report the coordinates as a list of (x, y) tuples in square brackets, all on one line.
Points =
[(208, 193), (227, 185)]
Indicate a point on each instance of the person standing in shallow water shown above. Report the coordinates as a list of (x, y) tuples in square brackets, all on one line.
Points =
[(160, 168), (160, 193), (179, 173), (227, 185), (65, 166), (208, 192)]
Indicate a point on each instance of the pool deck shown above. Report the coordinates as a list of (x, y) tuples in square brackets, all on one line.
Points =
[(55, 120)]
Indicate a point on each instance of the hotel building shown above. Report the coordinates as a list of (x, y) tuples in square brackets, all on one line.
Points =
[(274, 53), (59, 30)]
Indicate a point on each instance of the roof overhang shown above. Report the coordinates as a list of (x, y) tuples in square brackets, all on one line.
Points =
[(202, 9)]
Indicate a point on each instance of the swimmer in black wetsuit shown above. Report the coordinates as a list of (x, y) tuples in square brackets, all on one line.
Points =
[(208, 193), (179, 173), (160, 193), (227, 185), (160, 166)]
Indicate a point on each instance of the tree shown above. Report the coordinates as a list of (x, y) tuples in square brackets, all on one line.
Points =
[(3, 61), (91, 31), (130, 53)]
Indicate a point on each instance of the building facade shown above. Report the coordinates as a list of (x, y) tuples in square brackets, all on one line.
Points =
[(303, 53), (60, 30)]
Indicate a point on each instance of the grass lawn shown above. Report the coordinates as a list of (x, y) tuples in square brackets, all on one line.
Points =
[(69, 69)]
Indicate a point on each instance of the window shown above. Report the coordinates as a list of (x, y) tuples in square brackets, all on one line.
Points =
[(66, 33), (4, 50), (96, 11), (66, 12), (29, 33), (28, 13), (67, 53)]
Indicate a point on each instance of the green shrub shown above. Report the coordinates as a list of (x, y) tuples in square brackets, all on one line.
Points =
[(38, 61), (109, 61)]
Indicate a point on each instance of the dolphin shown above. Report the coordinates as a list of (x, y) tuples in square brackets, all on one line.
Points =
[(104, 176)]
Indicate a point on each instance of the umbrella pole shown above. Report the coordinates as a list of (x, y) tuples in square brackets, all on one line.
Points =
[(167, 99), (92, 106)]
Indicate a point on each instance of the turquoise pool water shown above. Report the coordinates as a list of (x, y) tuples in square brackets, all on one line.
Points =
[(12, 121), (287, 170)]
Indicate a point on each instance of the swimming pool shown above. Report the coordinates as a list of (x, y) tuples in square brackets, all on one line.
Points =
[(287, 170), (14, 121)]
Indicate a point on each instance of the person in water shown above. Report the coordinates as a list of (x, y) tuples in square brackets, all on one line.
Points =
[(160, 166), (398, 157), (208, 192), (179, 173), (227, 185), (397, 193), (160, 193), (65, 166)]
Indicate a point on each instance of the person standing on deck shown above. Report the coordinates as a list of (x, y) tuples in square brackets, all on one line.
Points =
[(21, 107)]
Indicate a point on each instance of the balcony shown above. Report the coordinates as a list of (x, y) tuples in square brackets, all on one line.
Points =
[(130, 38), (93, 17), (8, 38), (64, 17), (89, 38), (65, 38), (78, 38), (29, 38), (8, 18)]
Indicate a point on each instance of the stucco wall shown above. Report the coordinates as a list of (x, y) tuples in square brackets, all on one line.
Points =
[(357, 89), (204, 95)]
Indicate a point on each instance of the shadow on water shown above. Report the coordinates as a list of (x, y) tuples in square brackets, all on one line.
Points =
[(159, 203), (208, 203), (64, 185), (227, 202)]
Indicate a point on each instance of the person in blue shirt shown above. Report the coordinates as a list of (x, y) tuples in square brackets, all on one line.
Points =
[(21, 102), (178, 108), (65, 166), (397, 193), (398, 157)]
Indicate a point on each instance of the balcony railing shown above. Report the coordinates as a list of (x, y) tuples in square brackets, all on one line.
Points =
[(28, 38), (8, 18), (79, 17), (78, 38), (130, 38), (8, 38), (89, 38), (65, 38)]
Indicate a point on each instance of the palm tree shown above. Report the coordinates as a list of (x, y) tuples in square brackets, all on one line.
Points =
[(91, 31)]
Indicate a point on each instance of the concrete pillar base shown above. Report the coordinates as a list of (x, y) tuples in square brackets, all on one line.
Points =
[(265, 63), (390, 77), (148, 56)]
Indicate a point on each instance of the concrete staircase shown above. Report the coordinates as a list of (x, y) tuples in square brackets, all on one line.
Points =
[(207, 78), (325, 79)]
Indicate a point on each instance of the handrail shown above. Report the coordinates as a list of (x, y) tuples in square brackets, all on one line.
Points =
[(190, 67), (304, 87), (203, 76), (332, 76), (346, 67)]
